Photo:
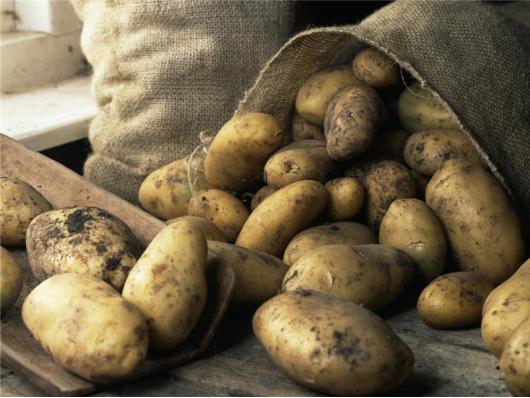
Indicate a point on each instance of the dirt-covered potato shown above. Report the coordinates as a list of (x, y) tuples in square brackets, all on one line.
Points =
[(282, 215), (223, 209), (426, 151), (411, 226), (315, 94), (19, 204), (385, 182), (303, 130), (168, 283), (263, 192), (208, 228), (479, 219), (454, 300), (376, 69), (331, 345), (87, 327), (258, 275), (371, 276), (10, 280), (238, 152), (346, 198), (515, 361), (82, 240), (420, 110), (353, 117)]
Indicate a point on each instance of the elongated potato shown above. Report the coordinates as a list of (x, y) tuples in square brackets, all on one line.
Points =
[(282, 215), (260, 196), (168, 283), (481, 224), (331, 345), (515, 361), (87, 327), (346, 198), (303, 130), (208, 228), (376, 69), (10, 280)]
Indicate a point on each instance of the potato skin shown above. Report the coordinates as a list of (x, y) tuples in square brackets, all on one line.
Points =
[(208, 228), (282, 215), (411, 226), (82, 240), (376, 69), (480, 222), (19, 204), (10, 280), (346, 198), (263, 192), (515, 361), (454, 300), (238, 152), (303, 130), (331, 345), (223, 209), (87, 327)]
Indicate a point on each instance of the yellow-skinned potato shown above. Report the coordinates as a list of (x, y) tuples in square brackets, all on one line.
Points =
[(346, 198), (331, 345), (168, 283), (303, 130), (19, 204), (282, 215), (454, 300), (238, 152), (479, 219), (515, 361), (376, 69), (315, 94), (411, 226), (263, 192), (87, 327), (223, 209), (10, 280), (258, 275), (208, 228)]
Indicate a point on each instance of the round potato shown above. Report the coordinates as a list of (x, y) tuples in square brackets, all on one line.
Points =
[(515, 361), (19, 204), (208, 228), (346, 198), (303, 130), (263, 192), (454, 300), (87, 327), (376, 69), (331, 345), (10, 280)]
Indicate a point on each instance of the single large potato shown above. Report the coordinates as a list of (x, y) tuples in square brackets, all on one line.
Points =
[(303, 130), (261, 194), (87, 327), (454, 300), (411, 226), (515, 361), (481, 224), (346, 198), (238, 152), (10, 280), (208, 228), (168, 283), (19, 204), (82, 240), (282, 215), (376, 69), (331, 345)]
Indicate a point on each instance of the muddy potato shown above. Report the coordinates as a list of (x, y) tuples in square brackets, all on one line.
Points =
[(282, 215), (223, 209), (168, 283), (454, 301), (263, 192), (19, 204), (411, 226), (481, 224), (331, 345), (82, 240), (238, 152), (303, 130), (346, 198), (515, 361), (87, 327), (376, 69), (208, 228), (10, 280)]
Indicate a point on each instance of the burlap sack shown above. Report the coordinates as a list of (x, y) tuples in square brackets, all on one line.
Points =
[(165, 70), (474, 58)]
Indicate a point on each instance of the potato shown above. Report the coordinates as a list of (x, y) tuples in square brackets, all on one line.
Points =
[(370, 276), (376, 69), (420, 110), (454, 300), (346, 198), (10, 280), (385, 182), (315, 94), (238, 152), (87, 327), (303, 130), (505, 309), (168, 283), (331, 345), (263, 192), (282, 215), (515, 361), (82, 240), (353, 117), (226, 211), (426, 151), (208, 228), (258, 275), (411, 226), (19, 204), (481, 224)]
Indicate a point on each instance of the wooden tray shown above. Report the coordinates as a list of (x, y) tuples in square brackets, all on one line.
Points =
[(64, 188)]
